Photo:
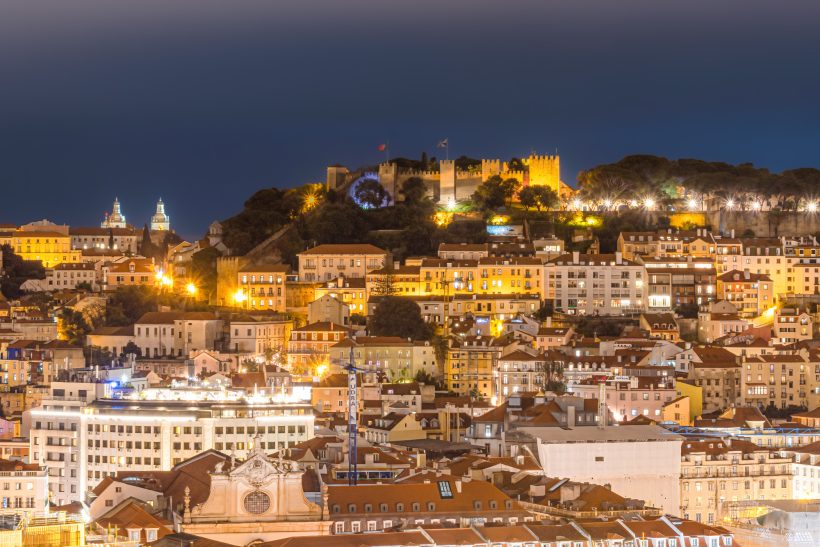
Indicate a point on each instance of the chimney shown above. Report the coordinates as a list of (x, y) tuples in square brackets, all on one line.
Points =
[(576, 257), (549, 321), (458, 486), (602, 405), (619, 257), (570, 416), (733, 233)]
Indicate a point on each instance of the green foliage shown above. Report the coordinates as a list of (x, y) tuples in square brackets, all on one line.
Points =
[(645, 175), (130, 348), (264, 213), (128, 304), (399, 317), (539, 197), (414, 190), (371, 193), (16, 271), (358, 319), (73, 326), (491, 194), (203, 270)]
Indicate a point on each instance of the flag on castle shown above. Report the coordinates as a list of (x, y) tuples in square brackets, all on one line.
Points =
[(442, 144), (381, 147)]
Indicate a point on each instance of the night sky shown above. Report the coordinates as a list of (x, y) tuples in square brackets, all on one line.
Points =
[(203, 102)]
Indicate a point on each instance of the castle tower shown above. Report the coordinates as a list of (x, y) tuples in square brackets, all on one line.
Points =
[(336, 177), (545, 171), (447, 182), (490, 168), (388, 177), (116, 219), (160, 221)]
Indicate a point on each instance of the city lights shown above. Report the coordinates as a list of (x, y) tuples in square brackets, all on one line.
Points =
[(756, 206), (811, 207), (576, 204), (730, 204), (190, 288), (692, 204), (649, 203), (240, 296)]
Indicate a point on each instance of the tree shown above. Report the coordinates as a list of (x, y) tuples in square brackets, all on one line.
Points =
[(16, 271), (510, 187), (371, 194), (385, 283), (128, 304), (132, 348), (490, 194), (540, 197), (73, 326), (414, 190), (396, 316)]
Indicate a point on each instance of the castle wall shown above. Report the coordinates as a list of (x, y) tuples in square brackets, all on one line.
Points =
[(764, 224)]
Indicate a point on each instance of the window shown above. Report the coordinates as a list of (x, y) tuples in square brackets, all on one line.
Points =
[(444, 490), (257, 502)]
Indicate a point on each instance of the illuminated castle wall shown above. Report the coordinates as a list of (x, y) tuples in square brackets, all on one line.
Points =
[(450, 183)]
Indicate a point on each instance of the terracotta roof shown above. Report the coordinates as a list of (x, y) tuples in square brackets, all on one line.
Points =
[(130, 514), (266, 268), (344, 249), (168, 317), (322, 326)]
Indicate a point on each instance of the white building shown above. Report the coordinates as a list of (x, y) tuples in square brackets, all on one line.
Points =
[(176, 333), (255, 336), (330, 261), (23, 488), (124, 240), (638, 461), (83, 442), (604, 284)]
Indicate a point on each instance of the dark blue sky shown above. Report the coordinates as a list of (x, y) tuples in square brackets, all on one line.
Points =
[(205, 101)]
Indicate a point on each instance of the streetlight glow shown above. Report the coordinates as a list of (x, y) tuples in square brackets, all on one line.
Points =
[(190, 288), (692, 204), (812, 207), (649, 203), (576, 204), (730, 203), (240, 296)]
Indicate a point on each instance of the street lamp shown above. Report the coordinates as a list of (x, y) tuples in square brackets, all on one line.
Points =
[(191, 289)]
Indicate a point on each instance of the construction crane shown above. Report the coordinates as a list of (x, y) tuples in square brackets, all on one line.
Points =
[(352, 419)]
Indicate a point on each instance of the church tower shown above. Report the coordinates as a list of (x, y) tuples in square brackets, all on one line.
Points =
[(160, 222), (116, 219)]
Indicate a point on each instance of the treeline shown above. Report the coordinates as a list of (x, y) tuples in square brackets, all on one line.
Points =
[(659, 177), (406, 228)]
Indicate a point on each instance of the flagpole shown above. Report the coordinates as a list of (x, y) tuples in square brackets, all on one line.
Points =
[(447, 150)]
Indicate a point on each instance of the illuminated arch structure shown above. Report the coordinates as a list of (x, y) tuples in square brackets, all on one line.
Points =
[(351, 192)]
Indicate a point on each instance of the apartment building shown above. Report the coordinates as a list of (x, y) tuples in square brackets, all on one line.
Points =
[(256, 336), (471, 364), (47, 246), (330, 261), (596, 284), (352, 291), (23, 488), (683, 281), (628, 397), (175, 333), (487, 275), (520, 371), (751, 293), (792, 325), (82, 439), (128, 271), (715, 471), (124, 240), (401, 280), (263, 287), (777, 379), (393, 356), (310, 345)]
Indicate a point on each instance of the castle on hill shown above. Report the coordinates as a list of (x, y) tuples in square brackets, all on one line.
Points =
[(452, 184)]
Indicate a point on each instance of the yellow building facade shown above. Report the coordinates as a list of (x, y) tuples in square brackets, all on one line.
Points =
[(50, 248)]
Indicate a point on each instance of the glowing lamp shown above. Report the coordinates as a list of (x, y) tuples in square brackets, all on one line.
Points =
[(812, 207), (649, 203), (190, 288), (692, 203)]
